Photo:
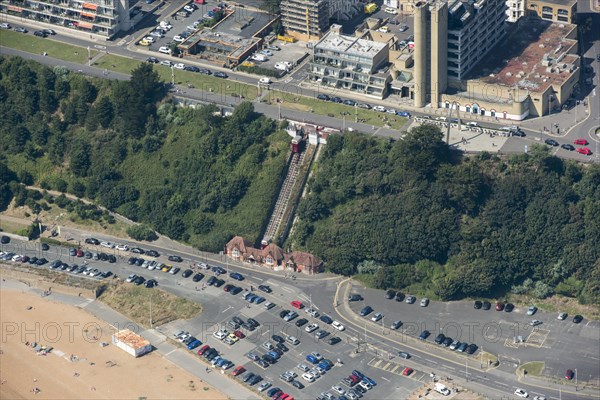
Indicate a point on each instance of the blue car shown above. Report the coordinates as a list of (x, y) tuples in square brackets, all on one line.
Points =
[(403, 114), (369, 381), (259, 299), (250, 298), (274, 354), (311, 359), (327, 319), (326, 364), (193, 344), (359, 374), (237, 276)]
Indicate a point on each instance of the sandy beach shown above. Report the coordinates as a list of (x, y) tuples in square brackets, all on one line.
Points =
[(79, 367)]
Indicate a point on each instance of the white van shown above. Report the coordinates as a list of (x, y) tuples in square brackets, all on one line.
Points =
[(442, 389), (264, 81)]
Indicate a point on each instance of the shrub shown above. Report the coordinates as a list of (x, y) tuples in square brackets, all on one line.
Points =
[(542, 290), (141, 232)]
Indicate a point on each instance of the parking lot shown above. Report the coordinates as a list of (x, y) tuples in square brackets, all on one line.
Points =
[(271, 324), (492, 331)]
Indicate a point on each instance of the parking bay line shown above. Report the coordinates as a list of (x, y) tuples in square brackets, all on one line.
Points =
[(227, 309)]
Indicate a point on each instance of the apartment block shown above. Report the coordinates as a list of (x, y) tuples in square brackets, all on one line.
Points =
[(101, 17), (309, 19), (351, 63), (515, 9), (474, 28)]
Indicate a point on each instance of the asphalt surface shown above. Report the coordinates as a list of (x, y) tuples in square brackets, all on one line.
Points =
[(365, 346)]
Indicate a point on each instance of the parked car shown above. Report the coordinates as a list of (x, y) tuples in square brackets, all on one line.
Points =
[(551, 142), (531, 310), (220, 74)]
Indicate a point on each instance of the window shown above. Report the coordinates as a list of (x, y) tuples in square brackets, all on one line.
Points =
[(269, 260), (235, 253)]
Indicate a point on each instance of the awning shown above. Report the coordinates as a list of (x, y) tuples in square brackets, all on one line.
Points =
[(88, 15), (15, 9), (85, 25), (90, 6)]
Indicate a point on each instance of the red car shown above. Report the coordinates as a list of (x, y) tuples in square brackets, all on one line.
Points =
[(239, 334), (79, 253), (238, 370), (580, 141), (203, 349), (297, 304), (499, 306), (570, 374), (584, 150)]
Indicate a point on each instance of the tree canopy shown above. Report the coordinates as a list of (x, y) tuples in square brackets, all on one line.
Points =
[(433, 222)]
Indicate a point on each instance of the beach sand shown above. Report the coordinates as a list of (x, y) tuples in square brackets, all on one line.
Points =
[(97, 373)]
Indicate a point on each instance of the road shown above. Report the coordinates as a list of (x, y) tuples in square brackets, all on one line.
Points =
[(324, 294), (577, 122)]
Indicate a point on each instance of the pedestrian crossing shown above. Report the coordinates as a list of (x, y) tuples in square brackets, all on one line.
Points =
[(396, 369)]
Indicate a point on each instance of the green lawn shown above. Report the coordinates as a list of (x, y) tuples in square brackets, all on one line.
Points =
[(533, 368), (37, 45), (199, 81), (303, 103)]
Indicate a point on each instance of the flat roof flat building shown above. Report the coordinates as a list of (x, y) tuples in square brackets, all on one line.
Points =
[(101, 17), (351, 63)]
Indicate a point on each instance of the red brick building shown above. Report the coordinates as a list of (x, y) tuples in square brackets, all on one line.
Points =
[(273, 256)]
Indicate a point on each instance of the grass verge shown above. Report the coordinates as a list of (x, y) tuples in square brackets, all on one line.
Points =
[(134, 302), (202, 82), (321, 107), (533, 368), (36, 45)]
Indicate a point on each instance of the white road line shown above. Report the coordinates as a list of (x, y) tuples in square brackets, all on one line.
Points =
[(287, 289), (228, 308), (384, 378), (501, 383)]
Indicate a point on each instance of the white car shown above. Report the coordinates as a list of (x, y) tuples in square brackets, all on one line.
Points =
[(316, 355), (222, 334), (17, 258), (390, 10), (377, 317), (166, 63), (308, 377), (5, 25), (179, 66), (281, 66), (539, 397), (165, 25), (189, 9), (157, 34), (311, 328), (383, 29), (122, 247), (521, 393), (379, 108), (337, 325), (313, 313), (424, 302), (264, 81), (164, 49), (179, 39), (471, 123), (130, 278), (107, 244), (149, 39), (365, 385), (264, 386), (338, 389), (259, 57), (562, 316), (268, 53)]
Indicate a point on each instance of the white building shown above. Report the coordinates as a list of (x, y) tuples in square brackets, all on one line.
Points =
[(131, 342), (515, 10)]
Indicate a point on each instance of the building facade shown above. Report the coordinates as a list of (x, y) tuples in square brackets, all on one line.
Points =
[(515, 9), (351, 63), (273, 256), (474, 28), (131, 342), (552, 10), (308, 20), (101, 17)]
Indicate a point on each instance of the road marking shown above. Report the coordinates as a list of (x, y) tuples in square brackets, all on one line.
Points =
[(228, 308), (393, 370), (501, 383), (287, 289), (376, 365), (385, 379), (386, 365)]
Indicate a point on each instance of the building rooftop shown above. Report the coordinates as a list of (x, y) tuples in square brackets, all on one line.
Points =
[(535, 55), (131, 339), (235, 45), (349, 45), (559, 2), (244, 22)]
